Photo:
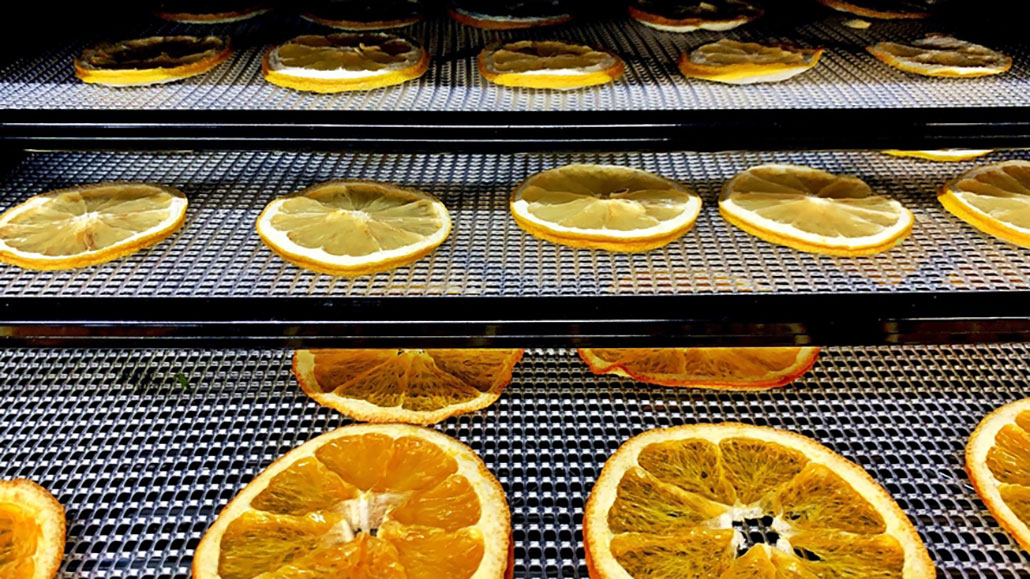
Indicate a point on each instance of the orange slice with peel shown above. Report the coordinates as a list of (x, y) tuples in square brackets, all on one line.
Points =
[(549, 64), (412, 386), (493, 15), (994, 199), (942, 55), (365, 501), (677, 16), (220, 12), (734, 62), (151, 60), (728, 368), (32, 527), (881, 9), (941, 155), (360, 15), (666, 502)]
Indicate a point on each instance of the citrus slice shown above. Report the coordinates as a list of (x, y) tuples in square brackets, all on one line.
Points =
[(365, 501), (729, 368), (812, 210), (152, 60), (31, 531), (344, 61), (735, 62), (493, 15), (941, 55), (675, 16), (548, 64), (207, 12), (666, 502), (998, 463), (353, 228), (604, 207), (941, 155), (87, 225), (363, 15), (882, 9), (994, 199), (413, 386)]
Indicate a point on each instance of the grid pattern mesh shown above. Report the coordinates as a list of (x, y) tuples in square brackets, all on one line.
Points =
[(847, 76), (143, 464), (217, 252)]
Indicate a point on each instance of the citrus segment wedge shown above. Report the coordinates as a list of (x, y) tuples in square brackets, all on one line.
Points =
[(735, 62), (882, 9), (151, 60), (672, 16), (88, 225), (941, 55), (729, 368), (994, 199), (811, 210), (665, 505), (413, 386), (548, 64), (364, 501), (32, 529), (941, 155)]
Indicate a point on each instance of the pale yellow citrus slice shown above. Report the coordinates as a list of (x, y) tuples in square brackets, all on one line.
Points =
[(881, 9), (87, 225), (412, 386), (720, 368), (941, 55), (31, 531), (207, 12), (998, 463), (717, 15), (735, 62), (994, 199), (941, 155), (152, 60), (665, 505), (604, 207), (344, 61), (352, 228), (365, 502), (812, 210), (548, 64)]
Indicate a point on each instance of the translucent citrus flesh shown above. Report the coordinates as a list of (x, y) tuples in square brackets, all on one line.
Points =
[(528, 55), (727, 52), (1009, 462), (19, 537), (352, 52), (364, 506), (1001, 193), (675, 366)]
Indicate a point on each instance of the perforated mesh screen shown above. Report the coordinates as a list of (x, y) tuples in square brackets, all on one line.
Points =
[(847, 76), (143, 463), (218, 253)]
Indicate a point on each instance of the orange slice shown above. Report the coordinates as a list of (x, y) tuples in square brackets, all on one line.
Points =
[(604, 207), (365, 501), (998, 463), (729, 368), (152, 60), (734, 62), (194, 12), (666, 502), (941, 155), (88, 225), (31, 531), (941, 55), (881, 9), (492, 15), (814, 211), (344, 61), (413, 386), (350, 15), (674, 16), (548, 64), (994, 199)]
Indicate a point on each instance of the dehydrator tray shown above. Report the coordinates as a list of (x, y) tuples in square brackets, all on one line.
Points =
[(144, 447)]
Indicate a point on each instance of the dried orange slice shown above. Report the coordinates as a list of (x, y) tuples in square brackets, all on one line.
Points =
[(994, 199), (363, 501), (493, 15), (152, 60), (735, 62), (88, 225), (941, 55), (941, 155), (207, 12), (344, 61), (353, 228), (666, 502), (998, 463), (729, 368), (363, 15), (882, 9), (815, 211), (413, 386), (604, 207), (677, 16), (548, 64), (31, 531)]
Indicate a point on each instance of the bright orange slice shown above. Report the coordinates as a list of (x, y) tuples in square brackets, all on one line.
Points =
[(413, 386), (548, 64), (152, 60), (365, 502), (735, 62), (994, 199), (31, 531), (942, 55)]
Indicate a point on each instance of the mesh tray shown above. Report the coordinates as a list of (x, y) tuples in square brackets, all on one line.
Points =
[(218, 254), (847, 76), (144, 464)]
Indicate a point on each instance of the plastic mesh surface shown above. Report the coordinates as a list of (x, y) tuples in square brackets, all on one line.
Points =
[(218, 253), (847, 76), (144, 463)]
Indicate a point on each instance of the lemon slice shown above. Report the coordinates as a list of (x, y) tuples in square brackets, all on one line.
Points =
[(734, 62), (353, 228), (881, 9), (604, 207), (87, 225), (152, 60), (812, 210), (363, 15), (493, 15), (548, 64), (342, 62), (940, 55), (941, 155), (205, 12), (674, 16), (32, 527), (994, 199)]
